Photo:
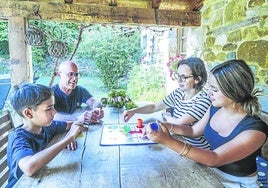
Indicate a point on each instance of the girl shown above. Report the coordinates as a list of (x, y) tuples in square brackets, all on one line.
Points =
[(231, 126)]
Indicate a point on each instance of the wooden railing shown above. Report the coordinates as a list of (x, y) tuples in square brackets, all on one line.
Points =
[(6, 126)]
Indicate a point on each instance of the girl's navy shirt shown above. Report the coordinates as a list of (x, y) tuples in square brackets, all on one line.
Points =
[(243, 167)]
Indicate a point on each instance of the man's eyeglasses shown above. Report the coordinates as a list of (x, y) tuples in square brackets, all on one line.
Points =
[(73, 74), (182, 78)]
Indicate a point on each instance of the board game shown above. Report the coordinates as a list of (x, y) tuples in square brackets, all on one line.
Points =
[(123, 134)]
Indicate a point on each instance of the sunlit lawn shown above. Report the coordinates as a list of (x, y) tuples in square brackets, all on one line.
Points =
[(93, 84)]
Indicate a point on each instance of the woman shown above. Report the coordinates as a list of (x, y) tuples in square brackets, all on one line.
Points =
[(234, 131), (188, 101)]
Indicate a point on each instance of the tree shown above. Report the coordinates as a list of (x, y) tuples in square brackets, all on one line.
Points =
[(4, 51), (115, 50)]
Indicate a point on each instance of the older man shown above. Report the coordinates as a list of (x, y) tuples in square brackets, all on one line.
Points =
[(69, 97)]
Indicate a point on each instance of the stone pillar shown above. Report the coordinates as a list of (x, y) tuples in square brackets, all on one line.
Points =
[(20, 63)]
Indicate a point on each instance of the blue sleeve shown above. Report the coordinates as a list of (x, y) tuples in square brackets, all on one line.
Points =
[(69, 103), (56, 127), (22, 143), (18, 148), (84, 94)]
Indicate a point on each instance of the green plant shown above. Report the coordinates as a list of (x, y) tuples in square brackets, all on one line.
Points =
[(147, 83), (4, 52), (114, 53), (118, 98)]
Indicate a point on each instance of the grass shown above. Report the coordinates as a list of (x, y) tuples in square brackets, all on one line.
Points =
[(93, 84)]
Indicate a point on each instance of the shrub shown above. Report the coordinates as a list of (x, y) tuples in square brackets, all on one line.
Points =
[(114, 54), (147, 83)]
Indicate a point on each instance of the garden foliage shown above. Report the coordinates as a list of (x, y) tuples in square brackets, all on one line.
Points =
[(147, 83), (114, 52)]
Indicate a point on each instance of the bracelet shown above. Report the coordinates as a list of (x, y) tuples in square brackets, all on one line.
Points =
[(171, 128), (183, 149), (188, 148)]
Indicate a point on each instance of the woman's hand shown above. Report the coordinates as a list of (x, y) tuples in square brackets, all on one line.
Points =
[(127, 114), (160, 136)]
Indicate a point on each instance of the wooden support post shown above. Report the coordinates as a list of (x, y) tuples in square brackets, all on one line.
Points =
[(20, 59)]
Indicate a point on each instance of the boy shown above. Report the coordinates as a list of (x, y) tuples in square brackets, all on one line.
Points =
[(26, 151)]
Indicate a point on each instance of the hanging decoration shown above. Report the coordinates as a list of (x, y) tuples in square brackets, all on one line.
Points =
[(34, 36), (57, 48)]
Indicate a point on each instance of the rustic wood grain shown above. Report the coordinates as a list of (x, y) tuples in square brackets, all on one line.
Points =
[(123, 13), (92, 165)]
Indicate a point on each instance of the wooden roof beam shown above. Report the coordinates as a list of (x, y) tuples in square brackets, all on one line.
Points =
[(99, 14), (156, 4)]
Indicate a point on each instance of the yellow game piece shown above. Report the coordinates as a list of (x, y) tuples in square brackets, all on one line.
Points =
[(80, 135)]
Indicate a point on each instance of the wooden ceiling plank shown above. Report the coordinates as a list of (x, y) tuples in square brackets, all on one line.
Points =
[(100, 14), (195, 5)]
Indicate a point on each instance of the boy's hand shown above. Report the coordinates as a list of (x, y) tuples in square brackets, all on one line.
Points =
[(75, 130)]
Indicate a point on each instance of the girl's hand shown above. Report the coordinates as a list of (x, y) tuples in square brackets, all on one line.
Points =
[(160, 136)]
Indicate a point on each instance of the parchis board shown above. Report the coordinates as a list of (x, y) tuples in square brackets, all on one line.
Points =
[(123, 134)]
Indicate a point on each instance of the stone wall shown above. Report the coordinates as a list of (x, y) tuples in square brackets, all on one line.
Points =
[(237, 29)]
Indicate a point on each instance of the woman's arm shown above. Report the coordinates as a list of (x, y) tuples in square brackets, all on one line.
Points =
[(238, 148), (189, 131), (184, 119), (145, 109)]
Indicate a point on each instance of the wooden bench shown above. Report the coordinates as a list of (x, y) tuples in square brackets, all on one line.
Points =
[(6, 126), (5, 88)]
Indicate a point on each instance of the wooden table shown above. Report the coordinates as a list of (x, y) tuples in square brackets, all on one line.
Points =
[(141, 166)]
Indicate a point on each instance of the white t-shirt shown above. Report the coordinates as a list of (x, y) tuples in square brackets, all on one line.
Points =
[(195, 107)]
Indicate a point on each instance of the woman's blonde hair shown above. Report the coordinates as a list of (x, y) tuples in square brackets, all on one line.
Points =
[(236, 81)]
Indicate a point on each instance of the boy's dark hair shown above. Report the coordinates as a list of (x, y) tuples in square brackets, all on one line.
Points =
[(29, 95)]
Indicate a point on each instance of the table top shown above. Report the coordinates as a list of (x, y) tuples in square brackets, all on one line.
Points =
[(126, 166)]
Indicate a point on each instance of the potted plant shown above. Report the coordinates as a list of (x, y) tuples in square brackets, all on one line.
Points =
[(118, 98)]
